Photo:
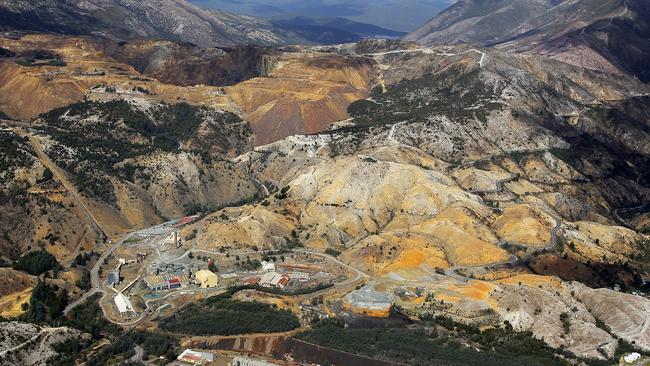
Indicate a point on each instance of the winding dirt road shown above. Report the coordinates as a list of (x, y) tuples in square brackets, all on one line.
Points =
[(453, 271), (499, 185), (358, 274), (429, 50)]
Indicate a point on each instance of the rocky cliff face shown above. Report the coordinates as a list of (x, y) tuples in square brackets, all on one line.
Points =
[(187, 65)]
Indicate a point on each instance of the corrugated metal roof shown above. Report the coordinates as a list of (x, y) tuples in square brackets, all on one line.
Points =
[(195, 356), (274, 279), (155, 281), (123, 303), (165, 280)]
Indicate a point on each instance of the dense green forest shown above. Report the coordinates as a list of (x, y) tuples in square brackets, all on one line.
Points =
[(416, 347), (221, 315), (46, 304), (88, 317), (37, 262)]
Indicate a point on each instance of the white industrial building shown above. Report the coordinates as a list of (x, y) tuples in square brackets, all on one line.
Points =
[(268, 266), (123, 304), (274, 279), (195, 357), (246, 361), (173, 239), (299, 276)]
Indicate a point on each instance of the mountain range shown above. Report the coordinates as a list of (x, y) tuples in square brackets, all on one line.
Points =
[(176, 20), (334, 30), (606, 35), (399, 15)]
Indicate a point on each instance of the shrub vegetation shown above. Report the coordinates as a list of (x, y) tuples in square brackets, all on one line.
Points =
[(221, 315), (442, 341)]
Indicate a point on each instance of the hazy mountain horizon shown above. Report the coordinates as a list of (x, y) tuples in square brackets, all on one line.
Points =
[(412, 14)]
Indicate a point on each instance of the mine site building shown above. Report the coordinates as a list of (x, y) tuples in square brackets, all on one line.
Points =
[(299, 276), (113, 278), (173, 239), (370, 302), (268, 266), (246, 361), (274, 279), (166, 282), (123, 304), (195, 358), (206, 279)]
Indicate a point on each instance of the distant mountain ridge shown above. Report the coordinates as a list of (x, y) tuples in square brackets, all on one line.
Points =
[(334, 30), (179, 21), (605, 35), (482, 21), (176, 20), (398, 15)]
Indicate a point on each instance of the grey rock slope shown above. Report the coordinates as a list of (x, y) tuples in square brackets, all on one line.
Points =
[(604, 35), (27, 344), (481, 22)]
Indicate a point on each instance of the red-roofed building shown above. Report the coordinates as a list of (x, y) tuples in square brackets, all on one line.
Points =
[(284, 281), (174, 283), (184, 221), (196, 358), (251, 281), (165, 282)]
